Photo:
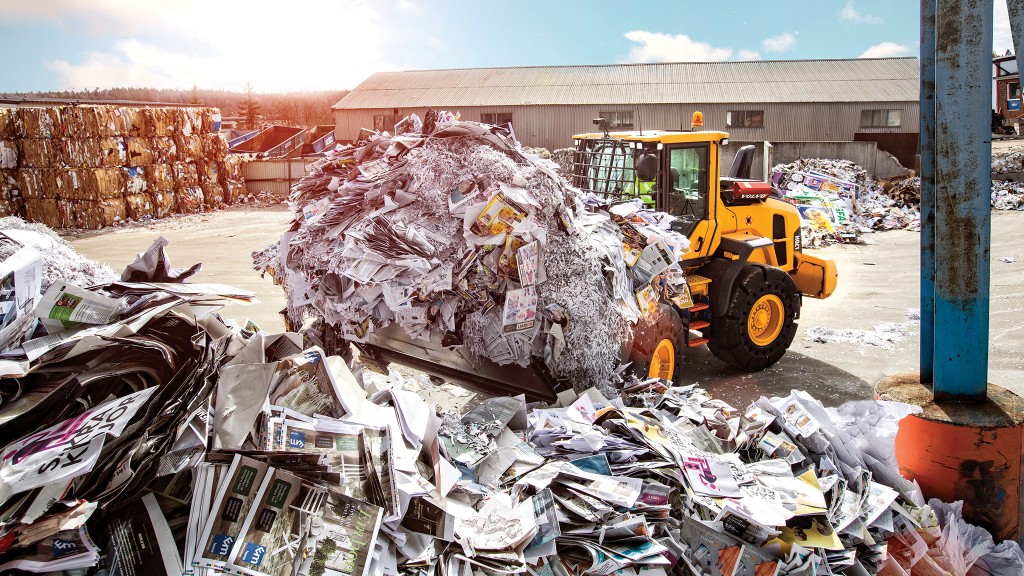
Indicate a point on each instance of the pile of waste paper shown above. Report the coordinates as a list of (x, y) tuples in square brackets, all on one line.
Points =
[(1007, 195), (451, 231), (90, 166), (1008, 160), (144, 434), (839, 201)]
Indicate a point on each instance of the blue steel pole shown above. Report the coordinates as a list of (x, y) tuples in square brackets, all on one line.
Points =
[(963, 94), (926, 140)]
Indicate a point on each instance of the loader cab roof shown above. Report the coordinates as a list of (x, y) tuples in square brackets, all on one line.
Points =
[(663, 136)]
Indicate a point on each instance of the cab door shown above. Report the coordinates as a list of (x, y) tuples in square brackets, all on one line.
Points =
[(685, 194)]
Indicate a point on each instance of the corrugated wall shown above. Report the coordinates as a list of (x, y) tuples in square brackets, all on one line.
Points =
[(274, 175), (553, 126)]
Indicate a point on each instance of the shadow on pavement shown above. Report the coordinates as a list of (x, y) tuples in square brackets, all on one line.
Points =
[(829, 384)]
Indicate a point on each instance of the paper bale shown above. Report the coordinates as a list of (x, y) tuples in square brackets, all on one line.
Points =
[(112, 152), (139, 206), (44, 211), (9, 187), (207, 172), (188, 199), (162, 202), (40, 152), (80, 121), (135, 180), (37, 122), (135, 120), (157, 122), (33, 183), (8, 154), (92, 215), (214, 146), (189, 147), (139, 150), (112, 121), (165, 149), (94, 184), (213, 194), (6, 123), (160, 177), (185, 174)]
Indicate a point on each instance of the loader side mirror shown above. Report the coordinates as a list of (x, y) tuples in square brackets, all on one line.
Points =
[(647, 167)]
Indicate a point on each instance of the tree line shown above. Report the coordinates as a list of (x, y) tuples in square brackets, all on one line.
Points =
[(300, 109)]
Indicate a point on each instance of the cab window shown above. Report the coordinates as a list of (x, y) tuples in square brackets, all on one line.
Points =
[(610, 169), (687, 186)]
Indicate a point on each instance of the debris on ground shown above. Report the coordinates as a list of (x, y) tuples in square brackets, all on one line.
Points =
[(91, 166), (453, 232), (143, 433), (885, 335)]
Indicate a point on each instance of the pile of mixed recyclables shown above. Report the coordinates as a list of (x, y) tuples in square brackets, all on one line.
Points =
[(167, 440), (451, 231), (145, 434), (90, 166), (839, 201)]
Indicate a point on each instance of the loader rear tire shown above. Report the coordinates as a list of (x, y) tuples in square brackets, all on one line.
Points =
[(760, 320), (658, 346)]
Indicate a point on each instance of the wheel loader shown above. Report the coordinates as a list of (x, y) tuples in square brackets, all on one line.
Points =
[(746, 271), (745, 268)]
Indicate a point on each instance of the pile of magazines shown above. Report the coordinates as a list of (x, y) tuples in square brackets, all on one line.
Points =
[(169, 441), (453, 232)]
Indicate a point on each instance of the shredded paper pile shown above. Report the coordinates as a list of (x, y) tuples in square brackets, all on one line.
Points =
[(144, 434), (454, 233)]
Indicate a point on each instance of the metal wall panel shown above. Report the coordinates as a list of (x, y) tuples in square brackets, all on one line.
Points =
[(552, 127), (275, 175)]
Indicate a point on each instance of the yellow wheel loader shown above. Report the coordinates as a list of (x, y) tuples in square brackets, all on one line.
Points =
[(746, 271)]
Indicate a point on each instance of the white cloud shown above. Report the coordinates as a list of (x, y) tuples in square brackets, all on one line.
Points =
[(658, 47), (223, 44), (886, 50), (850, 14), (780, 43), (747, 55)]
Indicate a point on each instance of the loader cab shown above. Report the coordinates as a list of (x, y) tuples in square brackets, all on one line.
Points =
[(673, 172)]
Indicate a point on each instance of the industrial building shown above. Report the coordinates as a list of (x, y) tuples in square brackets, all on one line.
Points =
[(794, 101)]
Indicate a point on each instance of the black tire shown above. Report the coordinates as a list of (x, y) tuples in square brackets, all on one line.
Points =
[(730, 339), (664, 325)]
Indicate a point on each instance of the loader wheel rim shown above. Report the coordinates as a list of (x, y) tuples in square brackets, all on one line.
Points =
[(663, 361), (764, 324)]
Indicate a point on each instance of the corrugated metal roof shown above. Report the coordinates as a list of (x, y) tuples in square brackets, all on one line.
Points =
[(860, 80)]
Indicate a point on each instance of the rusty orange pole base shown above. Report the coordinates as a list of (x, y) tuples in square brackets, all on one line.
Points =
[(964, 451)]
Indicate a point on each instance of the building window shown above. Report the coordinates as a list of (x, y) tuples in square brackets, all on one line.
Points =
[(745, 118), (619, 120), (496, 118), (387, 122), (880, 118), (1012, 90)]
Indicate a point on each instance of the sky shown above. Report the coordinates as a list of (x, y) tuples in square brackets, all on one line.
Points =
[(294, 45)]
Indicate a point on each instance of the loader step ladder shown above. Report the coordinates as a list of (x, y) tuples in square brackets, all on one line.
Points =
[(698, 287)]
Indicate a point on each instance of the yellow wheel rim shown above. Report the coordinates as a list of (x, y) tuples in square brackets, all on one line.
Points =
[(765, 321), (663, 361)]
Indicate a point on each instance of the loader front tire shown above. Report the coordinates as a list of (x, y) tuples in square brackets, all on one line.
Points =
[(658, 346), (760, 320)]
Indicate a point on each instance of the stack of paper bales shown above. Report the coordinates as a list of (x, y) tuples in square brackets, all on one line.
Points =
[(90, 166)]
